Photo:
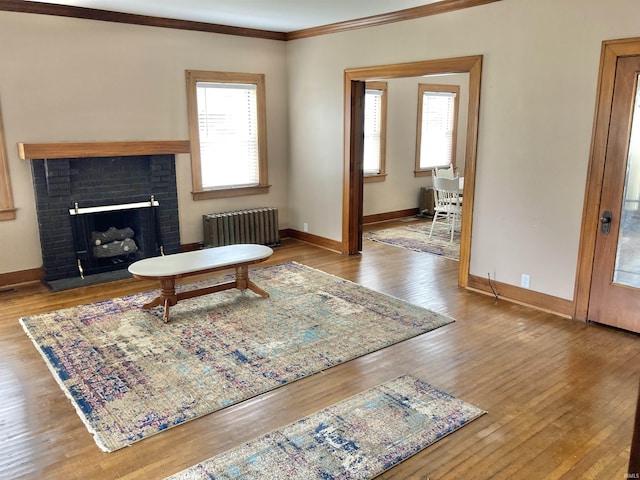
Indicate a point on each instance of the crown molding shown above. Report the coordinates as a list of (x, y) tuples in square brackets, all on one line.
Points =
[(24, 6), (392, 17), (130, 18)]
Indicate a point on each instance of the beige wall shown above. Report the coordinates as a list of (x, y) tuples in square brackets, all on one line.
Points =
[(540, 66), (401, 188), (77, 80)]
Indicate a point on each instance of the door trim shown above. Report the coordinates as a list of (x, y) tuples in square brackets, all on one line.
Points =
[(471, 65), (611, 51)]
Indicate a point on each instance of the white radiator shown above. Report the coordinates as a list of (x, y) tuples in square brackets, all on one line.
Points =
[(254, 225)]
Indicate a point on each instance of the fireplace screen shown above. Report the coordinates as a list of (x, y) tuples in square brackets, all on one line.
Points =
[(112, 237)]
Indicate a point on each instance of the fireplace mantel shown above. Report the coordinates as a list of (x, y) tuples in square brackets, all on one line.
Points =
[(29, 151)]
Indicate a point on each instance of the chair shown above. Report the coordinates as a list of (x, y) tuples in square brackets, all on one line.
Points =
[(449, 173), (444, 172), (448, 204)]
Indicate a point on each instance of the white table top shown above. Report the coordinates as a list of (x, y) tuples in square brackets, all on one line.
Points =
[(198, 260)]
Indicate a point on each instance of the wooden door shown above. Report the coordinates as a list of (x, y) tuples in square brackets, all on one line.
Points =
[(615, 285)]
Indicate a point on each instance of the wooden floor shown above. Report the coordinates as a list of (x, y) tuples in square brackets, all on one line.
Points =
[(560, 394)]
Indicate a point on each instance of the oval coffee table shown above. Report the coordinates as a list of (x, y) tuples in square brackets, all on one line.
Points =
[(168, 268)]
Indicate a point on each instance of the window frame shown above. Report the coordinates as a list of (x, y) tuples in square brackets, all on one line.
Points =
[(7, 207), (431, 87), (257, 79), (382, 163)]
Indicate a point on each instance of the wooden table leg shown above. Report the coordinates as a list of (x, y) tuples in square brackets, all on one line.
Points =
[(167, 297), (243, 282), (242, 277)]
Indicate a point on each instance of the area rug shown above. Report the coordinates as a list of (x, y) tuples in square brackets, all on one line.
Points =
[(358, 438), (416, 238), (130, 376)]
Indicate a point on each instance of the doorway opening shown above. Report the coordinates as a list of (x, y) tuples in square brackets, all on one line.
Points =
[(353, 176)]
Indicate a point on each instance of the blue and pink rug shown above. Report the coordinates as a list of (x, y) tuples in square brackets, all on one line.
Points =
[(130, 376), (358, 438)]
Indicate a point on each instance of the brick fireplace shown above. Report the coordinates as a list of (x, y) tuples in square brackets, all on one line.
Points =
[(67, 188)]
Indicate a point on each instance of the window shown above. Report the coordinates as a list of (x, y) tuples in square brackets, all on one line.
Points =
[(227, 129), (375, 131), (7, 209), (437, 127)]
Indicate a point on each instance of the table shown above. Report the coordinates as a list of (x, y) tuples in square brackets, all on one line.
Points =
[(168, 268)]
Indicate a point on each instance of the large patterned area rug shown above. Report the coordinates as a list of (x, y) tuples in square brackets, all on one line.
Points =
[(130, 376), (416, 238), (358, 438)]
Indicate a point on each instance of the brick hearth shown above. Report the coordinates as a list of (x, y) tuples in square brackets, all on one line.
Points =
[(60, 183)]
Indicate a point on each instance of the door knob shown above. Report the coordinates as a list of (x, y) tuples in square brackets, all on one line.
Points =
[(605, 222)]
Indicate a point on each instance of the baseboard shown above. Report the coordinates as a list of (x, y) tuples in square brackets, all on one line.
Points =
[(382, 217), (23, 276), (284, 233), (312, 239), (37, 274), (337, 246), (510, 293)]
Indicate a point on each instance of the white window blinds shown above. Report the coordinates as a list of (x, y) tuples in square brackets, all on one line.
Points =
[(438, 114), (228, 131), (372, 130)]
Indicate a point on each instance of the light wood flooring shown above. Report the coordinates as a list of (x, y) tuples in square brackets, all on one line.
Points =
[(560, 394)]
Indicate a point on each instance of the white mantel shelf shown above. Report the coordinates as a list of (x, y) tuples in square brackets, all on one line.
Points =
[(29, 151)]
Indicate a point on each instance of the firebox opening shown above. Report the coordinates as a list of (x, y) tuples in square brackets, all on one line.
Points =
[(113, 237)]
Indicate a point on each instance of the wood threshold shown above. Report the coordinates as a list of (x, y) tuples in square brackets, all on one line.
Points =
[(28, 151)]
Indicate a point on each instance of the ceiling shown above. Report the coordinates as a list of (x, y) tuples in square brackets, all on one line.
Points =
[(272, 15)]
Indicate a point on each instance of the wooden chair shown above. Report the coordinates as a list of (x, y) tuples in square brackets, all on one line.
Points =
[(448, 203), (444, 172), (448, 172)]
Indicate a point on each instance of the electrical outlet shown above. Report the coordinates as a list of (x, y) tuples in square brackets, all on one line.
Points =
[(305, 227), (524, 280)]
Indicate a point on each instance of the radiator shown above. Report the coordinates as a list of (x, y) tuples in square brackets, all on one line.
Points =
[(254, 225), (426, 203)]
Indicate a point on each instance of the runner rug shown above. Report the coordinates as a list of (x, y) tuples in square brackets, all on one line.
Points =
[(416, 238), (130, 376), (358, 438)]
